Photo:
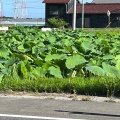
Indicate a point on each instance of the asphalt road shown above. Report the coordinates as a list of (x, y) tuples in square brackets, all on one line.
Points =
[(13, 108)]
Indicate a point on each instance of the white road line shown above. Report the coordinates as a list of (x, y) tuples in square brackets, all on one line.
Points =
[(36, 117)]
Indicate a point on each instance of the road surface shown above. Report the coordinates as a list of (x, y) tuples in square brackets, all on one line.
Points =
[(20, 108)]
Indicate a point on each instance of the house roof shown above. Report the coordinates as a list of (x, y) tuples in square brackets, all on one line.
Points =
[(56, 1), (96, 8), (106, 1)]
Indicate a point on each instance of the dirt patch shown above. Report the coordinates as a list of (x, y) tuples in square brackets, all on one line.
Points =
[(61, 96)]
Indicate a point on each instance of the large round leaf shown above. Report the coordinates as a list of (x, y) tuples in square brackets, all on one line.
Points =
[(52, 39), (74, 60), (55, 72), (4, 52), (110, 71), (86, 45), (96, 70)]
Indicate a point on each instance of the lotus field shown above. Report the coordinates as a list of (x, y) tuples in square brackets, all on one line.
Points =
[(27, 52)]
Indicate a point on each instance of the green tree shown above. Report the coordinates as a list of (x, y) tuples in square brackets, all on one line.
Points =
[(56, 23)]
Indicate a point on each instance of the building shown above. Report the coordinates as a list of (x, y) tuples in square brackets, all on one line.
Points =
[(95, 13), (58, 8), (105, 1)]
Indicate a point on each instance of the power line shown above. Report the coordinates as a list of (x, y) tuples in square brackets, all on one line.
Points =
[(16, 9), (24, 13), (1, 12), (20, 8)]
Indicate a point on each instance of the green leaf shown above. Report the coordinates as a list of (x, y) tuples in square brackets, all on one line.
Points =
[(86, 45), (11, 61), (27, 45), (20, 56), (74, 60), (23, 70), (21, 48), (39, 71), (117, 57), (110, 71), (106, 50), (52, 39), (55, 57), (3, 61), (69, 49), (66, 42), (5, 71), (18, 37), (118, 64), (28, 66), (95, 61), (96, 70), (55, 72), (4, 52), (1, 66), (35, 50), (14, 71), (38, 62), (16, 32), (1, 77), (108, 57), (47, 65), (28, 57)]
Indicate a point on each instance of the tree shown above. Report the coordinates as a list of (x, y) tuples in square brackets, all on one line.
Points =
[(56, 23)]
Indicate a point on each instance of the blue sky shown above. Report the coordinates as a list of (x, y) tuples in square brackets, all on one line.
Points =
[(35, 8)]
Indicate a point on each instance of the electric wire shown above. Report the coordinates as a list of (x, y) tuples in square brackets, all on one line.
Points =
[(31, 6)]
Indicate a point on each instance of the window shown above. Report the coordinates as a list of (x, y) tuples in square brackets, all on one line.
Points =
[(118, 18), (53, 10)]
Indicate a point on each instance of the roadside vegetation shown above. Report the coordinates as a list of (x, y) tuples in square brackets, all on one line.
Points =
[(82, 62), (94, 86)]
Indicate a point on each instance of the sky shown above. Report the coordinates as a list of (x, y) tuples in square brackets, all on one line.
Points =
[(34, 8)]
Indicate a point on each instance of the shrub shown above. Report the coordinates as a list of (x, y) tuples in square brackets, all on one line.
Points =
[(56, 23)]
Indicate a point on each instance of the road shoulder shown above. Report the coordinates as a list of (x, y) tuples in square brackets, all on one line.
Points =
[(59, 96)]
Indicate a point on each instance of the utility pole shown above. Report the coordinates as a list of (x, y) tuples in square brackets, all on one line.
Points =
[(24, 13), (82, 14), (74, 15), (17, 9), (1, 13), (108, 14)]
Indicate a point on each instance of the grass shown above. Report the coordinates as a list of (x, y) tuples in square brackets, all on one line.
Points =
[(85, 86)]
